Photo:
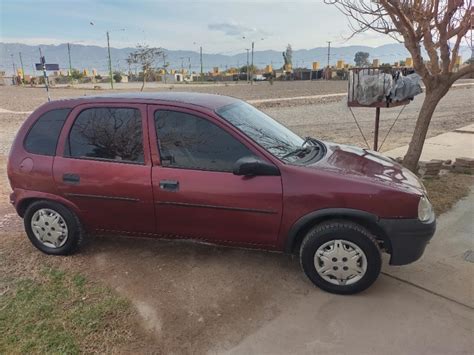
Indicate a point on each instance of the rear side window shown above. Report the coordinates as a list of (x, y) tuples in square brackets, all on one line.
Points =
[(44, 134), (190, 142), (107, 134)]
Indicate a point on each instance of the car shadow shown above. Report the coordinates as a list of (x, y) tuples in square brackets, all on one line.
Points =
[(191, 295)]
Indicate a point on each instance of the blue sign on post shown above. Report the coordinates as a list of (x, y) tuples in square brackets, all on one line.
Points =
[(39, 66)]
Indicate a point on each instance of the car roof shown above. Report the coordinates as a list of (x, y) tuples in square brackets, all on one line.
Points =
[(210, 101)]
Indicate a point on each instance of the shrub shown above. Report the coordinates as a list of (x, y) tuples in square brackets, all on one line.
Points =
[(117, 77)]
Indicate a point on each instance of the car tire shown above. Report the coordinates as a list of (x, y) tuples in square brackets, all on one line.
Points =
[(53, 228), (340, 257)]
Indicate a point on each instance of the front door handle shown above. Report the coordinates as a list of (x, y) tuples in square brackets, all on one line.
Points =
[(72, 179), (169, 185)]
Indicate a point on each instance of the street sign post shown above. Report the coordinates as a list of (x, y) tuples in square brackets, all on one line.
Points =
[(45, 67), (50, 67)]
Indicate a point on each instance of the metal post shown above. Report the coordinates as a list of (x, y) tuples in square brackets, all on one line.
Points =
[(110, 62), (22, 70), (251, 66), (14, 71), (165, 66), (329, 52), (200, 58), (248, 74), (70, 62), (45, 75), (376, 130)]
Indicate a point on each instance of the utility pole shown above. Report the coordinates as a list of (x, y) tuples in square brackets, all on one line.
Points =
[(165, 66), (251, 77), (329, 52), (70, 62), (22, 70), (200, 58), (110, 61), (248, 73), (14, 70)]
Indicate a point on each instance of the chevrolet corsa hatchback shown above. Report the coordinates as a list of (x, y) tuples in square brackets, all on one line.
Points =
[(215, 169)]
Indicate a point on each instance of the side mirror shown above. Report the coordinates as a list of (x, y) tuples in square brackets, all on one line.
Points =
[(253, 166)]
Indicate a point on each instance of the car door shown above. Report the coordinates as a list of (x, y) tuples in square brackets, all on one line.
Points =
[(196, 194), (103, 166)]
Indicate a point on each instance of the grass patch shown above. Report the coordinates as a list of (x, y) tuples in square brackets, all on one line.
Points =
[(448, 189), (62, 313)]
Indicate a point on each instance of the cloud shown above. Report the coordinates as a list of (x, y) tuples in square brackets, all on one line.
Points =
[(234, 29)]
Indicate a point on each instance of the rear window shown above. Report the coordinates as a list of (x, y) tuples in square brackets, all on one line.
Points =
[(107, 133), (44, 134)]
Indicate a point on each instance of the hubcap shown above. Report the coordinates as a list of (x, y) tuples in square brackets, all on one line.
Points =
[(49, 228), (340, 262)]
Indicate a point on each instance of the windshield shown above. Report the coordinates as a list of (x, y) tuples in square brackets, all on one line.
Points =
[(264, 130)]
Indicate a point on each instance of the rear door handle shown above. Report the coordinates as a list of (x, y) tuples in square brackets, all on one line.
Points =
[(72, 179), (169, 185)]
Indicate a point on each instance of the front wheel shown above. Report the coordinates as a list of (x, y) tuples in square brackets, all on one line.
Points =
[(340, 257)]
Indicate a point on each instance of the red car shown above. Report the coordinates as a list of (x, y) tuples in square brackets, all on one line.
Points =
[(213, 168)]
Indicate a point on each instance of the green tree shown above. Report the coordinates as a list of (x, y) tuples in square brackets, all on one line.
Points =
[(252, 69), (361, 59), (117, 77), (77, 74)]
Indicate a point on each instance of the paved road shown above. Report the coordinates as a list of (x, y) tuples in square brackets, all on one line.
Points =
[(432, 314)]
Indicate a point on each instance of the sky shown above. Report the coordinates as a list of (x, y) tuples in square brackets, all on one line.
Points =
[(217, 26)]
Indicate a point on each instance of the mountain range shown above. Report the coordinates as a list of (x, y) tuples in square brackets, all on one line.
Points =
[(95, 57)]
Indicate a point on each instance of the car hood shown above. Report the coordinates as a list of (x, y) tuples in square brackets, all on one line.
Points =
[(369, 165)]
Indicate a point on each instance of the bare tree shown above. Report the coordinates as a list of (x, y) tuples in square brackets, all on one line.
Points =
[(145, 57), (439, 26)]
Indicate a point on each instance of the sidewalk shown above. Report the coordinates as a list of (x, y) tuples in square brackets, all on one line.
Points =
[(422, 308), (450, 145)]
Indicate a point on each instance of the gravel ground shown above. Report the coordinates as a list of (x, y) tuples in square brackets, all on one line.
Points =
[(333, 120), (242, 90), (327, 118)]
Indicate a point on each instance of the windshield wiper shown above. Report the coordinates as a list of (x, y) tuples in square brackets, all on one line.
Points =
[(311, 140), (303, 149), (298, 151)]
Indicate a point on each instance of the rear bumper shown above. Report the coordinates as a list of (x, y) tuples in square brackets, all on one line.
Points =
[(13, 199), (408, 238)]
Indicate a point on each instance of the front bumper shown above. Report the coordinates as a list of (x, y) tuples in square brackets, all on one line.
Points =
[(408, 238)]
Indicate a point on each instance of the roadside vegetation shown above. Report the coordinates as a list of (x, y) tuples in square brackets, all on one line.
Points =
[(448, 189), (61, 312)]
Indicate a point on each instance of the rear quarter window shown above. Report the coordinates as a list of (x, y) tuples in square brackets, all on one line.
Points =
[(43, 136)]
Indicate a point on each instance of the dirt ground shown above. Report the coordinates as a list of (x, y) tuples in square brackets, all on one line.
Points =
[(198, 298)]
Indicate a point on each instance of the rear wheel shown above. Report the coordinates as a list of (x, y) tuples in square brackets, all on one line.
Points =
[(340, 257), (52, 228)]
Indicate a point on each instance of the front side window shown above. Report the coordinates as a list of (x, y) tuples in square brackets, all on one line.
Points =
[(188, 141), (107, 134), (44, 134)]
